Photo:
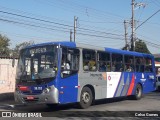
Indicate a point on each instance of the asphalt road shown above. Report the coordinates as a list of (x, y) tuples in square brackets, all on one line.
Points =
[(119, 107)]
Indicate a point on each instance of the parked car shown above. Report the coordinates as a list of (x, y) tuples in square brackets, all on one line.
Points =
[(158, 82)]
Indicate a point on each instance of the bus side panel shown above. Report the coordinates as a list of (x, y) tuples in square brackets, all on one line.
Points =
[(68, 89), (115, 81), (150, 83), (120, 84), (124, 84), (96, 80), (147, 83)]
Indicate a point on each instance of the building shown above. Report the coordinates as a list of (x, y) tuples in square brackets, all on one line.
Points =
[(7, 74)]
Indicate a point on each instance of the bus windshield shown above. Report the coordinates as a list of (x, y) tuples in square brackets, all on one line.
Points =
[(37, 64)]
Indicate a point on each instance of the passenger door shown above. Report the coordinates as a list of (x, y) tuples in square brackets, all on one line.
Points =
[(68, 82)]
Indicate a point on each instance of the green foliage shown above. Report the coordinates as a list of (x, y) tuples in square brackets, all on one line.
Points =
[(4, 46), (141, 47), (5, 51), (18, 47)]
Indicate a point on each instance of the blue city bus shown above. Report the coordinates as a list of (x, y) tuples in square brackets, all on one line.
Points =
[(67, 72)]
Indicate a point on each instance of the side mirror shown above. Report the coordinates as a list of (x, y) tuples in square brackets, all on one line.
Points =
[(13, 62)]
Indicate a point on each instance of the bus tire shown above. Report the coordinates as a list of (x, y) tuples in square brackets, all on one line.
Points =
[(86, 98), (138, 92)]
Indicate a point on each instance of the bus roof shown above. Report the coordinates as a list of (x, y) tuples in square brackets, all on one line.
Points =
[(87, 46)]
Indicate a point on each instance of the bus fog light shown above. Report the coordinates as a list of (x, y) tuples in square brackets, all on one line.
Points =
[(47, 90), (46, 99)]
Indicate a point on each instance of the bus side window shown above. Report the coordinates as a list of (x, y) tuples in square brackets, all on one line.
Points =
[(70, 62), (89, 60), (117, 63), (104, 63), (148, 65), (129, 63), (139, 64)]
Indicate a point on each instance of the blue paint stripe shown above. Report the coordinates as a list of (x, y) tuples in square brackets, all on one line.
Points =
[(118, 85), (125, 82)]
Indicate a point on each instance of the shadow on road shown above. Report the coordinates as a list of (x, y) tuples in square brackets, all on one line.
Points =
[(64, 107), (6, 97), (72, 106)]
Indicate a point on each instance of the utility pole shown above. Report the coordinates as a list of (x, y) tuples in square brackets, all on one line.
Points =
[(133, 28), (75, 26), (71, 35), (126, 33), (133, 40)]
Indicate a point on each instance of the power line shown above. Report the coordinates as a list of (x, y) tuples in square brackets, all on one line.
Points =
[(157, 3), (42, 20), (101, 28), (147, 19), (40, 16), (81, 29), (74, 6), (146, 37), (33, 25), (93, 9), (99, 36), (32, 14), (33, 22)]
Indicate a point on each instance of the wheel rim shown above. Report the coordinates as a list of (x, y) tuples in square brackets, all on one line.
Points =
[(138, 92), (85, 97)]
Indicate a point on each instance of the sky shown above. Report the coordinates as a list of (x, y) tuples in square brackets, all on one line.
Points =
[(99, 22)]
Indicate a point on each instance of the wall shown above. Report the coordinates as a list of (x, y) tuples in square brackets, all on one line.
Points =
[(7, 75)]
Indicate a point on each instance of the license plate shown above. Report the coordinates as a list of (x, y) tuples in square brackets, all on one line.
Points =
[(30, 98)]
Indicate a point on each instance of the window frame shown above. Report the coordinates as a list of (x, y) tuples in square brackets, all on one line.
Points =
[(71, 71), (130, 63), (141, 65), (114, 69), (146, 65), (106, 61), (88, 61)]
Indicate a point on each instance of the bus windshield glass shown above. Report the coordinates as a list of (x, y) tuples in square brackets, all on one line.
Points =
[(37, 64)]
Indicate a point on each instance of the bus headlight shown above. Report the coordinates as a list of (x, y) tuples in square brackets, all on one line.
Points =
[(47, 90)]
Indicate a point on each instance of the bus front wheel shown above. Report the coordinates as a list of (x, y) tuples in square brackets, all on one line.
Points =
[(86, 98)]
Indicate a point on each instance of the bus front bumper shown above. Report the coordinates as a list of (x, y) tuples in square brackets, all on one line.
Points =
[(48, 97)]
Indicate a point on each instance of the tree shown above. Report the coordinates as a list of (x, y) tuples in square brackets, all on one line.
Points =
[(18, 47), (141, 46), (4, 46)]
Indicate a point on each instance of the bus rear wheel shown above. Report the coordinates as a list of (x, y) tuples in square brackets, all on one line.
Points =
[(85, 98), (138, 92)]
